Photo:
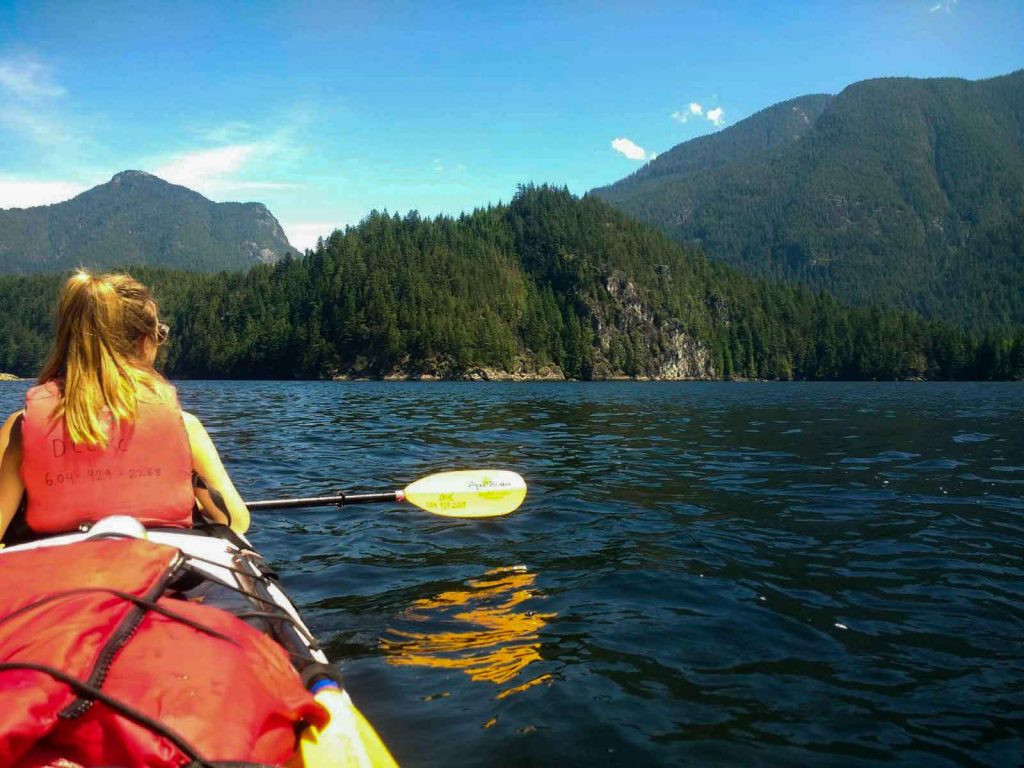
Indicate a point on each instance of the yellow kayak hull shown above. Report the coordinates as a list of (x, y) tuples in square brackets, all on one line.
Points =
[(347, 741)]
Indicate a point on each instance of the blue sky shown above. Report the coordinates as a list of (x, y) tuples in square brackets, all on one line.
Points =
[(325, 111)]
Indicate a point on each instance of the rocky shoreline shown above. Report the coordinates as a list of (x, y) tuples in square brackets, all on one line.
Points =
[(545, 373), (9, 377)]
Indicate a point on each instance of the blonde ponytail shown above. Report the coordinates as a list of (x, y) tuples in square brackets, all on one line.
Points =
[(96, 354)]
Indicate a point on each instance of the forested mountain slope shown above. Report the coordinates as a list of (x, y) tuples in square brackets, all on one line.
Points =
[(548, 283), (772, 128), (901, 192), (136, 218)]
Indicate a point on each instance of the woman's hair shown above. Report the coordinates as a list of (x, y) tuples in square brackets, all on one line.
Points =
[(100, 322)]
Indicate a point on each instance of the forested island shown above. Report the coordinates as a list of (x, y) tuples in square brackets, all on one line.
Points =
[(546, 286)]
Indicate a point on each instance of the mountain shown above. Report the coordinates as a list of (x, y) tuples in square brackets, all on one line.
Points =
[(136, 218), (547, 286), (771, 128), (901, 192)]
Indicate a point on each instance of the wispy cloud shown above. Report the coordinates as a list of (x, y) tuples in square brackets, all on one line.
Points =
[(242, 185), (628, 148), (39, 126), (437, 165), (202, 169), (945, 5), (230, 132), (30, 105), (18, 192), (235, 157), (62, 151), (695, 110), (224, 169), (28, 79)]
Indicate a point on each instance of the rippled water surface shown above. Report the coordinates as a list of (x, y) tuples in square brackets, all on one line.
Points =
[(702, 573)]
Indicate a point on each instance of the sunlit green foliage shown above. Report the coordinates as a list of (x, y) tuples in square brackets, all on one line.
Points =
[(547, 280)]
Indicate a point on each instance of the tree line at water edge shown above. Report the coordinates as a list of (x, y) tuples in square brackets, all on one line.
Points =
[(547, 283)]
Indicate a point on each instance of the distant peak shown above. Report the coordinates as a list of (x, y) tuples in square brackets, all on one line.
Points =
[(129, 175)]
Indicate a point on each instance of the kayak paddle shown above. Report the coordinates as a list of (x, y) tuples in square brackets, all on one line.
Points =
[(464, 493)]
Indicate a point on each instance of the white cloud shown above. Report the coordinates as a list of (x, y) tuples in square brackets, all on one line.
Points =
[(438, 166), (304, 234), (693, 109), (28, 80), (255, 162), (203, 167), (216, 170), (945, 5), (629, 149), (26, 193)]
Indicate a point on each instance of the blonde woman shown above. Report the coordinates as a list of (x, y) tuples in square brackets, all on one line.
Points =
[(103, 434)]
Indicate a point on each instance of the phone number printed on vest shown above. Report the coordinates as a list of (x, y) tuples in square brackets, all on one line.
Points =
[(99, 475)]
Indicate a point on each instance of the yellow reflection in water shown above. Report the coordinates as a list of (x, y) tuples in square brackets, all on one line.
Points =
[(495, 639)]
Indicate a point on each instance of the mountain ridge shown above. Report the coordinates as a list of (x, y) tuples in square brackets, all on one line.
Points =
[(756, 132), (904, 192), (137, 218)]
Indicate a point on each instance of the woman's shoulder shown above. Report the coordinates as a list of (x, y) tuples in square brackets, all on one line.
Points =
[(47, 390), (9, 421), (192, 423), (7, 429), (198, 437)]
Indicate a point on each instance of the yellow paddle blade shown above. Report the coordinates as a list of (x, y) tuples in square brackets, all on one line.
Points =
[(468, 493)]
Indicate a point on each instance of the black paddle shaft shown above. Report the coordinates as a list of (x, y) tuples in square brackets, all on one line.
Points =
[(326, 501)]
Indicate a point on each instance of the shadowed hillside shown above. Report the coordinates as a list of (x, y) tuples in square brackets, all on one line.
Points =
[(136, 218), (900, 192)]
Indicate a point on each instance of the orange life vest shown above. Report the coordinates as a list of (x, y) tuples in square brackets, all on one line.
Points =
[(200, 683), (145, 471)]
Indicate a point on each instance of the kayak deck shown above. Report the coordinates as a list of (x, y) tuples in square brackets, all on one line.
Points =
[(222, 569)]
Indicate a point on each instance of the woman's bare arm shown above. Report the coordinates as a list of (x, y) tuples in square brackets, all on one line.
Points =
[(12, 488), (216, 493)]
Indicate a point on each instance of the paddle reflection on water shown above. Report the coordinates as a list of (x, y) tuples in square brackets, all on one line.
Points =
[(490, 637)]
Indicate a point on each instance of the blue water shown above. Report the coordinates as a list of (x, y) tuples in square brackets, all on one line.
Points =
[(726, 574)]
